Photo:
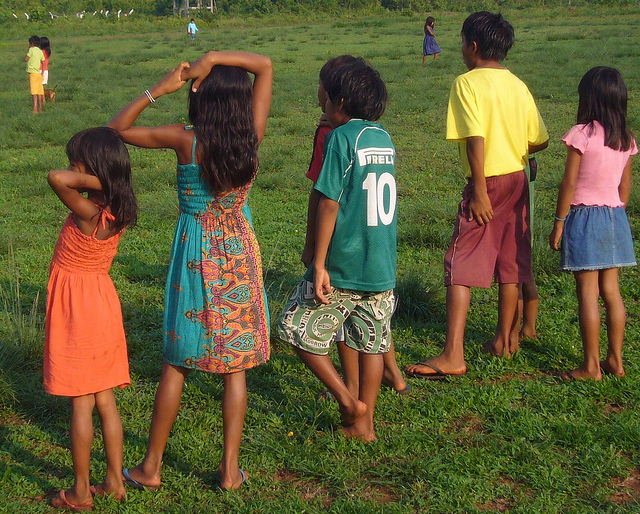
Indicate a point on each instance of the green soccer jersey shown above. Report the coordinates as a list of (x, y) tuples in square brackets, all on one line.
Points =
[(359, 173)]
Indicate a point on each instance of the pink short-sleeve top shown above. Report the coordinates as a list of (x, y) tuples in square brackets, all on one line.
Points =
[(600, 168)]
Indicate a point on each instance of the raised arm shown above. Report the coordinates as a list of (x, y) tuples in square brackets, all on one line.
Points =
[(258, 65), (149, 137), (69, 184)]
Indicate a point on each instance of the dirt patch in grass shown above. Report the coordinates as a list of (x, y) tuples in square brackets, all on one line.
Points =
[(380, 494), (614, 408), (499, 505), (628, 489), (308, 490), (470, 424)]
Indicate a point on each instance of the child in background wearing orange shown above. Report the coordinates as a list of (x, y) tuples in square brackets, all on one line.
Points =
[(85, 354)]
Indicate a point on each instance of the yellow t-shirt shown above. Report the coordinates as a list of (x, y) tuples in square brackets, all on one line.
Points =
[(494, 104), (35, 56)]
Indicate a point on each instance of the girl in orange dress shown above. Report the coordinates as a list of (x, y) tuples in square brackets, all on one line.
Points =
[(85, 353)]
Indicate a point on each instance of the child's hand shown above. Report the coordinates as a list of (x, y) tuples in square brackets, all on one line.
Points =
[(480, 209), (321, 285), (199, 70), (172, 81), (556, 235)]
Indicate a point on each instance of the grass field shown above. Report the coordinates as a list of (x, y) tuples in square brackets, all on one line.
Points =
[(506, 437)]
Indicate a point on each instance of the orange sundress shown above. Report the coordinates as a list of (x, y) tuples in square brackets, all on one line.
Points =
[(85, 349)]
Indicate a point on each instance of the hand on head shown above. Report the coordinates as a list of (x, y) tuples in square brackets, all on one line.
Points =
[(173, 80)]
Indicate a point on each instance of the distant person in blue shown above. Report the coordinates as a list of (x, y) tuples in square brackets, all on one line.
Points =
[(192, 29), (430, 45)]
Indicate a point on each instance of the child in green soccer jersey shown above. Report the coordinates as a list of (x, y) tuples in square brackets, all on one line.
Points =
[(352, 277)]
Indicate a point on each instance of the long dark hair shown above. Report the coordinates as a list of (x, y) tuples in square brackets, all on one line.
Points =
[(222, 113), (45, 45), (603, 97), (105, 155)]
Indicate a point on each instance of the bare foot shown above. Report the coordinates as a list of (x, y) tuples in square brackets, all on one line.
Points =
[(439, 365), (354, 431), (138, 479), (103, 489), (610, 369), (351, 416), (231, 481), (581, 374), (527, 333), (497, 348), (394, 380)]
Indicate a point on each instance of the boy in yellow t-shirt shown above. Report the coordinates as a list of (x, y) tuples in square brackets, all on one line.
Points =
[(494, 120), (34, 58)]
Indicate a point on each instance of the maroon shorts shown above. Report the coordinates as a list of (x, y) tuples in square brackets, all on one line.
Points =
[(502, 247)]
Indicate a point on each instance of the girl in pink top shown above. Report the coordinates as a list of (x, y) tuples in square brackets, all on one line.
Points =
[(590, 215)]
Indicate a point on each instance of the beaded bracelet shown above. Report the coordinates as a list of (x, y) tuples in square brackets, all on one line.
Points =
[(151, 99), (559, 219)]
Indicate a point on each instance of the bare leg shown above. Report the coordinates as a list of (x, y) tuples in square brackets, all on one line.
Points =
[(35, 104), (435, 57), (165, 410), (424, 59), (81, 433), (530, 310), (234, 408), (589, 315), (371, 367), (507, 306), (392, 376), (350, 363), (616, 320), (112, 435), (451, 360), (514, 335), (351, 409)]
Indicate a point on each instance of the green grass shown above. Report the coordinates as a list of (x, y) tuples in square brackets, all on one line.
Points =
[(507, 437)]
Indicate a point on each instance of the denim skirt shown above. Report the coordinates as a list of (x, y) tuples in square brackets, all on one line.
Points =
[(596, 237)]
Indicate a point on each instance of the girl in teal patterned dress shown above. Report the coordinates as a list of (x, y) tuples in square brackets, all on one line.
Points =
[(216, 317)]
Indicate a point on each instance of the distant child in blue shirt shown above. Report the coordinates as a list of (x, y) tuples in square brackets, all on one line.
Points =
[(192, 29)]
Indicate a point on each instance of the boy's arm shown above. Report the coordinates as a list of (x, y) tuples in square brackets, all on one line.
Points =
[(327, 215), (480, 208), (565, 195), (536, 148), (312, 216)]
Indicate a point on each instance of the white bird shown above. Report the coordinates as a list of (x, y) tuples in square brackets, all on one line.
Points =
[(14, 15), (130, 11), (106, 13), (26, 15)]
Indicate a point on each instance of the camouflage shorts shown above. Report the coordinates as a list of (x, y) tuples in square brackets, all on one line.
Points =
[(311, 326)]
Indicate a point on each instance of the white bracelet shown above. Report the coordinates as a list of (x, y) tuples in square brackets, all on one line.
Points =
[(151, 99)]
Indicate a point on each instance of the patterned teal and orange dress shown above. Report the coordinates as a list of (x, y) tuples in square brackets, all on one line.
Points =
[(216, 316)]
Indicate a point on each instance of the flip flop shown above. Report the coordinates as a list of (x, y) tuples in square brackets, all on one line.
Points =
[(244, 481), (131, 482), (324, 395), (568, 376), (438, 375), (60, 502)]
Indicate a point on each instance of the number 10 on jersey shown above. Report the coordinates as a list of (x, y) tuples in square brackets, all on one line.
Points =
[(375, 187)]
